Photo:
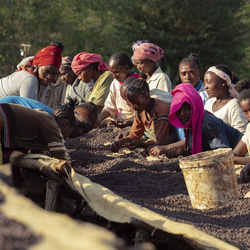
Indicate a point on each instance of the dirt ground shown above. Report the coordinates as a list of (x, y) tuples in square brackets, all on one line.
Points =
[(158, 184)]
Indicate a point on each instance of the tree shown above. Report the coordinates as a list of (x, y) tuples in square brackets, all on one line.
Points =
[(216, 30)]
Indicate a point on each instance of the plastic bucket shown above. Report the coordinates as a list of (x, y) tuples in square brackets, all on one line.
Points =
[(210, 178)]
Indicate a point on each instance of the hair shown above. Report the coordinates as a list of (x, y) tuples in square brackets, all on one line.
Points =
[(122, 59), (143, 76), (235, 79), (139, 86), (225, 69), (90, 106), (95, 66), (243, 84), (192, 58), (127, 82), (57, 44), (244, 94), (65, 111)]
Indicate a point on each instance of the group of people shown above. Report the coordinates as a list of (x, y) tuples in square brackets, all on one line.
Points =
[(50, 98)]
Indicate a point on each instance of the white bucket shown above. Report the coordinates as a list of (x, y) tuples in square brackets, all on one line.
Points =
[(210, 178)]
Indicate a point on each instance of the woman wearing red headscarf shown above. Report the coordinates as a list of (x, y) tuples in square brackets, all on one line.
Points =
[(41, 70), (90, 67), (145, 57)]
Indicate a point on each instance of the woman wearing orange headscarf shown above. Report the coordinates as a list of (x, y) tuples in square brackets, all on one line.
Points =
[(41, 70)]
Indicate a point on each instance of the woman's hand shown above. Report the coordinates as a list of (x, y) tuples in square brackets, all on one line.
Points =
[(245, 173), (116, 146), (133, 145), (174, 152), (120, 124), (124, 124), (157, 150)]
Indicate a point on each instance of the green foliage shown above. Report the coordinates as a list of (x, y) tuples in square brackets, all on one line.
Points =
[(215, 29)]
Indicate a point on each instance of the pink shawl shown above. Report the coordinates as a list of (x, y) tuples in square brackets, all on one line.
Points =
[(185, 92)]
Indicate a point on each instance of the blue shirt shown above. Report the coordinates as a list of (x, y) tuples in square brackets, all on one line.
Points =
[(30, 103)]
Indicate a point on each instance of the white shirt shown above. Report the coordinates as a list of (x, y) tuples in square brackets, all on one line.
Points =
[(231, 114), (115, 104), (159, 80), (246, 138), (21, 83)]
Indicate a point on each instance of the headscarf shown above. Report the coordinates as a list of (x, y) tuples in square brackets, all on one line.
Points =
[(185, 92), (84, 59), (50, 55), (145, 50), (233, 93), (23, 64), (66, 61)]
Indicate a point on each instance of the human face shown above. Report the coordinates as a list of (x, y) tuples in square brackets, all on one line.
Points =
[(144, 66), (84, 121), (245, 106), (184, 113), (119, 72), (47, 74), (83, 124), (137, 101), (67, 76), (213, 84), (189, 73), (85, 75)]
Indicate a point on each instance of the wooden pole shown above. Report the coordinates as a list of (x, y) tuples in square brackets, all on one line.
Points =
[(52, 198)]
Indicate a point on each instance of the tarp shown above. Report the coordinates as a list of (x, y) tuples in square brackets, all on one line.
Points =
[(56, 231), (114, 208), (117, 209)]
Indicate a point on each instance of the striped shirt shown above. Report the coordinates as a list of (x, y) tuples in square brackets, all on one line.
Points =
[(31, 129)]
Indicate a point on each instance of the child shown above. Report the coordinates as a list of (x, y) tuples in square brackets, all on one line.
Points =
[(115, 106), (203, 130), (145, 57), (151, 117)]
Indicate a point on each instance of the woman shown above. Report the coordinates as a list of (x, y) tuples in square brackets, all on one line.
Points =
[(56, 93), (203, 130), (145, 57), (115, 106), (86, 113), (190, 71), (222, 102), (67, 75), (89, 67), (31, 129), (41, 70), (151, 117)]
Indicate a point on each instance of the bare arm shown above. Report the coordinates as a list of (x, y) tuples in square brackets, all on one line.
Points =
[(239, 152), (103, 115), (162, 149)]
